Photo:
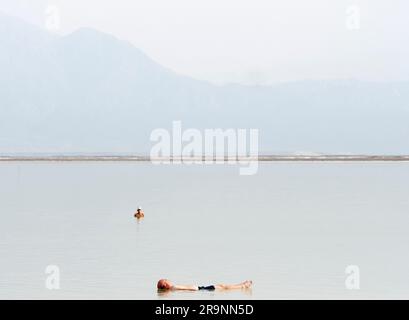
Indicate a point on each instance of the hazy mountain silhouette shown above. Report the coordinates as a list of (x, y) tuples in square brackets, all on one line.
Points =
[(90, 92)]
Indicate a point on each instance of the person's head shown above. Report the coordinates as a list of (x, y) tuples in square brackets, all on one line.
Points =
[(139, 209), (164, 284)]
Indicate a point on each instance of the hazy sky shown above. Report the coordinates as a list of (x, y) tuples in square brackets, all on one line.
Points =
[(248, 41)]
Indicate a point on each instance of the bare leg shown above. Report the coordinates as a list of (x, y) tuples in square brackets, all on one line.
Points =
[(244, 285)]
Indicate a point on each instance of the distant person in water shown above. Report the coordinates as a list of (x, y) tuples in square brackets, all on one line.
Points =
[(165, 284), (139, 213)]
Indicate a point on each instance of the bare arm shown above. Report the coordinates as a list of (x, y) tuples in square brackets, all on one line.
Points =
[(188, 288)]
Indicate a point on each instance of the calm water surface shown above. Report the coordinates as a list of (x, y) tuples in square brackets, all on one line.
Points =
[(292, 228)]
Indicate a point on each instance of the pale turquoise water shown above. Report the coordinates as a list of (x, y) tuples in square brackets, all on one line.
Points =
[(292, 228)]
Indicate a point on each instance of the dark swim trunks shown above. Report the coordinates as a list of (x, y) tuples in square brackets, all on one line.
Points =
[(209, 288)]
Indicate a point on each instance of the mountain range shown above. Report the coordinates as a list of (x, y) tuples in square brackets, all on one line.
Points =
[(91, 92)]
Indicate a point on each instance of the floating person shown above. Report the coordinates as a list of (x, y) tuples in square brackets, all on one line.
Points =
[(165, 284), (139, 213)]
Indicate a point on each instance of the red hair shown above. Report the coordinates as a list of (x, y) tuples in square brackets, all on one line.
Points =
[(164, 284)]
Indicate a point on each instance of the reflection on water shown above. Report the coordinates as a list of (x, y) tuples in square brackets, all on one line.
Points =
[(292, 228), (218, 294)]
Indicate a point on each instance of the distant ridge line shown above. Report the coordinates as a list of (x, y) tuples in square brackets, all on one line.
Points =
[(265, 158)]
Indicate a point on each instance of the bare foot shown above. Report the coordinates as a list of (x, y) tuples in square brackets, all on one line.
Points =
[(247, 284)]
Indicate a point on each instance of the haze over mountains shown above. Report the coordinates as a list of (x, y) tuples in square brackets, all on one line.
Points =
[(90, 92)]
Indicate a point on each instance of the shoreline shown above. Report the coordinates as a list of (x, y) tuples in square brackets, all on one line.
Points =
[(262, 158)]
